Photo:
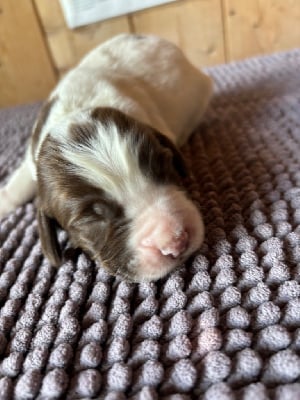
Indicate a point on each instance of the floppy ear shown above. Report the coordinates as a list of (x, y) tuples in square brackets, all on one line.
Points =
[(178, 160), (48, 233)]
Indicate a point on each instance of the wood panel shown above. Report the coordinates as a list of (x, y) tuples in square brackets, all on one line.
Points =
[(36, 46), (26, 72), (261, 26), (68, 46), (194, 25)]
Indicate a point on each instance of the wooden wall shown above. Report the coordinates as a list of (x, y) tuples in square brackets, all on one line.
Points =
[(36, 47), (26, 69)]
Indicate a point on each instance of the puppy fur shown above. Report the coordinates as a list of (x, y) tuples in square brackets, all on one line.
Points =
[(104, 162)]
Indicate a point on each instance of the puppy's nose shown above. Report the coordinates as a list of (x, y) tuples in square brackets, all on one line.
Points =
[(167, 242), (176, 246)]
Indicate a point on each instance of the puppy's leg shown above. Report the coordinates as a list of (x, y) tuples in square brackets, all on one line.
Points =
[(19, 189)]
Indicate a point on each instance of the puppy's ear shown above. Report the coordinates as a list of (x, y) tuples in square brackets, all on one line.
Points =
[(178, 160), (48, 234)]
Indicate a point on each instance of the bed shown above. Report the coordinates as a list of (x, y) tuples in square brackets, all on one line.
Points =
[(224, 326)]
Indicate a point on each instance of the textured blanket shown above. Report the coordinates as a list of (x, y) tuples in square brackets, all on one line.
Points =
[(224, 326)]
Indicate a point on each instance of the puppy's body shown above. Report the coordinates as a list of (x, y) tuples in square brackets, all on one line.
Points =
[(103, 159)]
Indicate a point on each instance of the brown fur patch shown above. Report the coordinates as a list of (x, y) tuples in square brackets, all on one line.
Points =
[(94, 222), (159, 158), (82, 133), (109, 115)]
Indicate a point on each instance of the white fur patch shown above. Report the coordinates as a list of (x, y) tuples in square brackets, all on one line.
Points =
[(108, 162)]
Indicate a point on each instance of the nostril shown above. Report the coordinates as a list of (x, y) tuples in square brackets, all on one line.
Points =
[(176, 246), (167, 240)]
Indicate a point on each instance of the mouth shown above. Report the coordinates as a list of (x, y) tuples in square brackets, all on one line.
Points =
[(158, 268)]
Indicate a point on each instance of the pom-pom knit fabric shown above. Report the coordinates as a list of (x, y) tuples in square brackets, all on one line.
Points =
[(226, 325)]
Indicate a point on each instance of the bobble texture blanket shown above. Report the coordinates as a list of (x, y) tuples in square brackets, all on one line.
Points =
[(224, 326)]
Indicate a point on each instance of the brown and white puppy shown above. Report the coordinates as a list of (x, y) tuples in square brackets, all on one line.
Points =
[(104, 163)]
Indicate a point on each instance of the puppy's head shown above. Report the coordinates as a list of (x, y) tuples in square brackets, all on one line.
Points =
[(115, 185)]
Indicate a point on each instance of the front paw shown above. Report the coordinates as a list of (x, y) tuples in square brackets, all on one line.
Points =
[(6, 204)]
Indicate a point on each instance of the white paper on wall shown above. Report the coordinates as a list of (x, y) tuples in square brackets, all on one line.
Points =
[(84, 12)]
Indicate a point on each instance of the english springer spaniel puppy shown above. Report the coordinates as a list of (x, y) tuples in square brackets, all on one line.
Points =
[(104, 163)]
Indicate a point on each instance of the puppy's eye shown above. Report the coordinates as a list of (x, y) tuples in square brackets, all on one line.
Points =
[(99, 209), (107, 210)]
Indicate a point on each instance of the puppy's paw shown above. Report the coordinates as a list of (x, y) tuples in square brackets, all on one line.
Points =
[(6, 204)]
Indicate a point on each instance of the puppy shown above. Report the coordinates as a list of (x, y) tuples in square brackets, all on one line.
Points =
[(103, 158)]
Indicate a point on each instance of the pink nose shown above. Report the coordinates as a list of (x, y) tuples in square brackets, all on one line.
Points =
[(167, 243), (176, 246)]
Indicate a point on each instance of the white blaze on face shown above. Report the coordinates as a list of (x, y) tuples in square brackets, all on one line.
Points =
[(107, 161)]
